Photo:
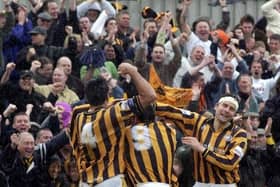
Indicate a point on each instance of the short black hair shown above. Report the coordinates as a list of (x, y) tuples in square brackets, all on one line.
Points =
[(201, 19), (19, 114), (108, 20), (96, 91), (159, 45), (275, 37), (244, 75), (148, 115), (247, 19)]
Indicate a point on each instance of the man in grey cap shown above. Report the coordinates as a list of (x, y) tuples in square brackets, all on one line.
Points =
[(38, 30), (39, 48), (44, 20)]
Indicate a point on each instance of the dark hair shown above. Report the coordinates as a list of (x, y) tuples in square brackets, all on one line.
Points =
[(277, 86), (96, 91), (275, 37), (44, 61), (147, 21), (244, 75), (46, 4), (184, 155), (259, 44), (148, 115), (108, 20), (247, 19), (200, 19), (19, 114), (159, 45), (188, 79), (122, 12), (40, 130)]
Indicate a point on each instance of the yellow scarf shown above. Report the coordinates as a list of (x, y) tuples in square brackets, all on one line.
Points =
[(179, 97), (27, 161)]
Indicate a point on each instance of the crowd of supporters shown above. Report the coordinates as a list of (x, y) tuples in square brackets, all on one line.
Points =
[(60, 66)]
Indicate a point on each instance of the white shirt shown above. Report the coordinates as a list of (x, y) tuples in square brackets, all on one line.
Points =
[(262, 87)]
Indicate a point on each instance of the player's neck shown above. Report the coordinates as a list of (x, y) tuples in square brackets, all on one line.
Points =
[(96, 108), (218, 124)]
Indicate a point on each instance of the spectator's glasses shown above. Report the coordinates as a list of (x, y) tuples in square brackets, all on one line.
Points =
[(26, 78), (45, 20)]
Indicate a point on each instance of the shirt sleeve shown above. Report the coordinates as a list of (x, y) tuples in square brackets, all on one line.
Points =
[(233, 153)]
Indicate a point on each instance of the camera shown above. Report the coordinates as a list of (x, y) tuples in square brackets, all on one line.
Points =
[(72, 43)]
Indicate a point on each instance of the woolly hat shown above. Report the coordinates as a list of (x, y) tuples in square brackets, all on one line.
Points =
[(223, 37), (95, 6), (148, 12), (66, 113), (119, 6)]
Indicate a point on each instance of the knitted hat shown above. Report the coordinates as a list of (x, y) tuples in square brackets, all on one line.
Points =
[(66, 113), (222, 36), (148, 12), (119, 6)]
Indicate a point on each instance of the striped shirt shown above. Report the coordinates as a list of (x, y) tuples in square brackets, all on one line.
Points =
[(98, 141), (225, 147), (149, 153)]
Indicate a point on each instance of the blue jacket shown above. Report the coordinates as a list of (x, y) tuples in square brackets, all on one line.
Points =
[(17, 39)]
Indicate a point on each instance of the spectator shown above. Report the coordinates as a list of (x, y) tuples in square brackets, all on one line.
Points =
[(6, 24), (262, 87), (247, 23), (43, 135), (183, 166), (22, 163), (38, 48), (73, 82), (42, 70), (22, 93), (58, 90), (271, 12), (44, 20), (54, 175), (248, 102), (125, 31), (19, 36)]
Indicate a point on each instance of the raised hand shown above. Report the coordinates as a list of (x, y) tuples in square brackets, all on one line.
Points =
[(10, 67)]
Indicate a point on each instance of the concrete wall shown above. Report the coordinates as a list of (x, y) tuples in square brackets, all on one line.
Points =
[(198, 8)]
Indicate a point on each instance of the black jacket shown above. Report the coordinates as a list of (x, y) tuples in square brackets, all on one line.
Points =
[(13, 167), (12, 93)]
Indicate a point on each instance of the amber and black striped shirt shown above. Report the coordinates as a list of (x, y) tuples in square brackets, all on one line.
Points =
[(98, 141), (224, 148), (149, 153)]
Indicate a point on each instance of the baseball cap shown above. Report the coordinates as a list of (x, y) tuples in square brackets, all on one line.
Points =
[(45, 16), (260, 131), (26, 73), (38, 30), (252, 114), (2, 12)]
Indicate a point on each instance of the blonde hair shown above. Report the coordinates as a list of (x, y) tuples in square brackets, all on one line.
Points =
[(66, 41)]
